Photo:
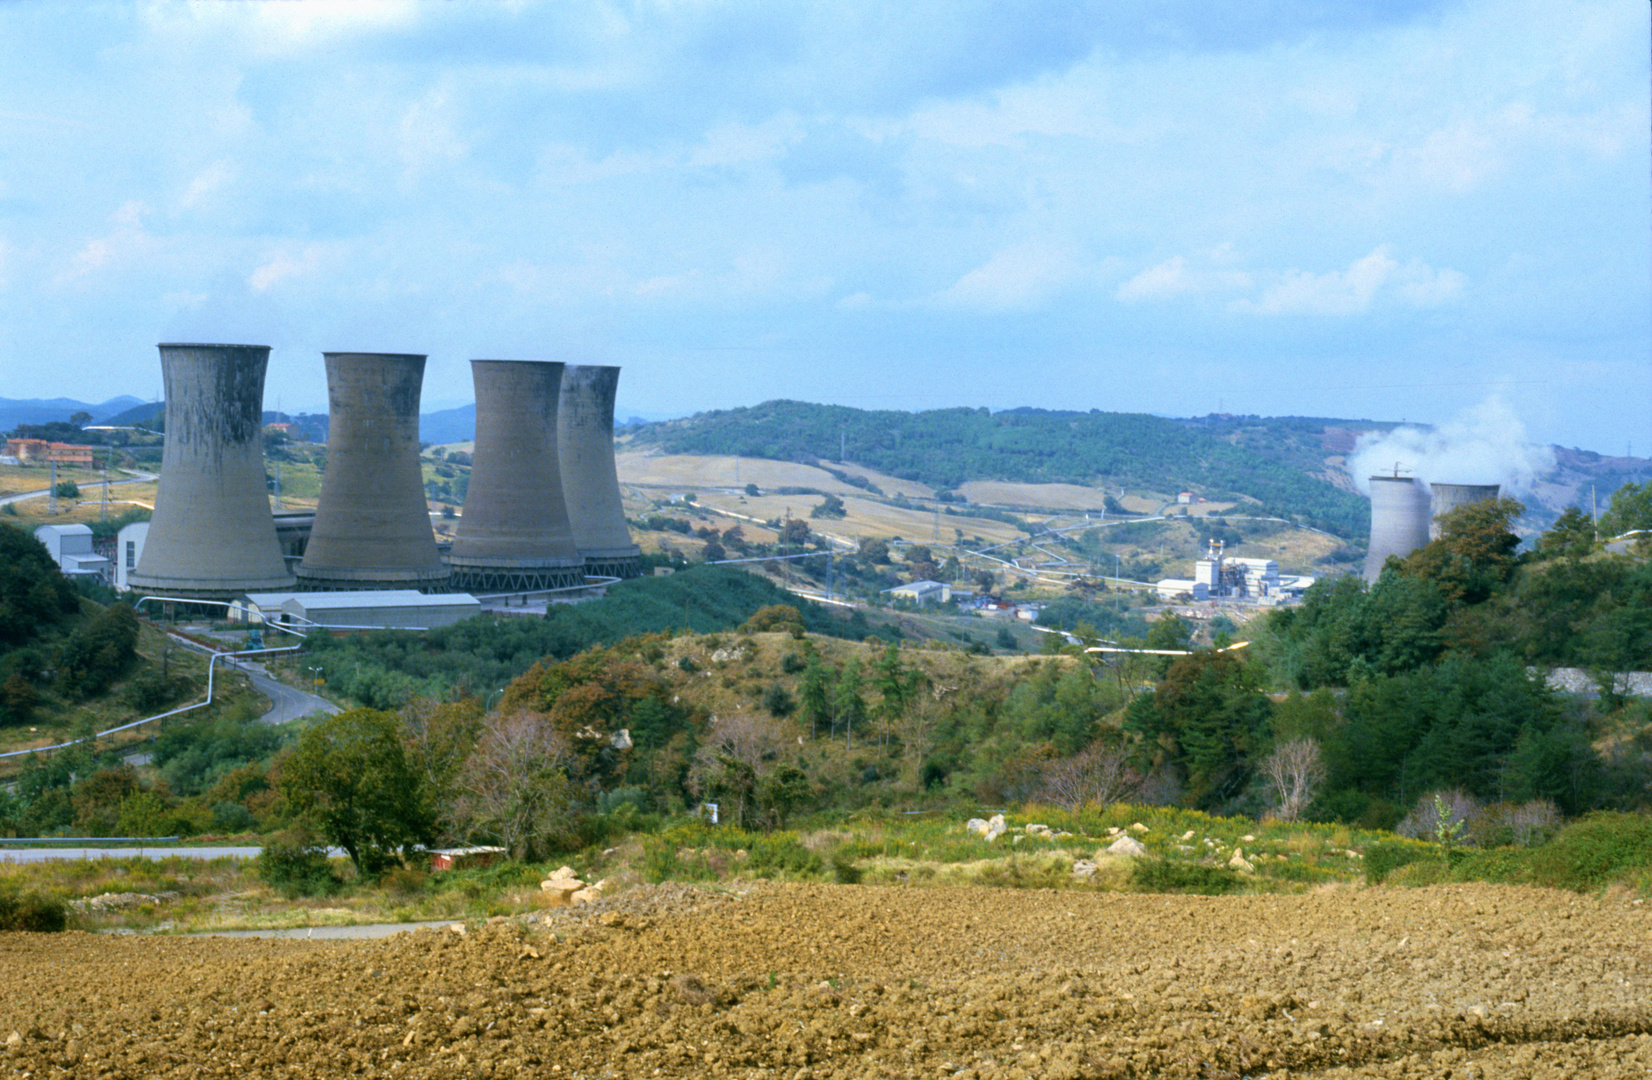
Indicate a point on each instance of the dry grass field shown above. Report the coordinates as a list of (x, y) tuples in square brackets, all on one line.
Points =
[(689, 472)]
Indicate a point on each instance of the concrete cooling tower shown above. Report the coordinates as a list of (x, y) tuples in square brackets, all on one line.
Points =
[(372, 525), (1448, 497), (212, 535), (1399, 521), (514, 535), (590, 481)]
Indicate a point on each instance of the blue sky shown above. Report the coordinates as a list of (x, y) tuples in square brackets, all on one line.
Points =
[(1390, 210)]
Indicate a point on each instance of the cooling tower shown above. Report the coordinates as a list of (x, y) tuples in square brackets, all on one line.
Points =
[(212, 536), (590, 482), (514, 535), (1448, 497), (1399, 521), (372, 525)]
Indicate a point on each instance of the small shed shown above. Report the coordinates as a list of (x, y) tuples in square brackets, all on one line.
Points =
[(464, 858)]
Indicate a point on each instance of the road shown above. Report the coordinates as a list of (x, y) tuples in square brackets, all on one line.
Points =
[(286, 702), (55, 854), (135, 478)]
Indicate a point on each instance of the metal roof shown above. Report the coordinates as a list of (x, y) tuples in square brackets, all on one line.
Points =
[(382, 598)]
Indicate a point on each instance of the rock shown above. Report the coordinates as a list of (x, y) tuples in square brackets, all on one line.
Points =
[(1112, 830), (1038, 830), (1126, 845), (1248, 838), (585, 896), (563, 873), (1084, 868), (621, 739), (1187, 836), (564, 885), (14, 1040), (1138, 827), (1238, 862), (995, 827), (976, 825)]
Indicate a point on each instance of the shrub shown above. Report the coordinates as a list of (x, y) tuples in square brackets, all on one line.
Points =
[(32, 912), (1384, 857), (1422, 872), (1594, 852), (1166, 876), (294, 864), (405, 882)]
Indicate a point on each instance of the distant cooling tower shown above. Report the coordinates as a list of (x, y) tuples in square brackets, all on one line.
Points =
[(1448, 497), (372, 525), (1399, 521), (514, 535), (212, 536), (590, 481)]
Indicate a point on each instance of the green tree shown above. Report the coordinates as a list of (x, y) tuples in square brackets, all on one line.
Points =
[(1631, 509), (1210, 718), (66, 489), (848, 705), (1474, 553), (352, 777), (1571, 536), (814, 693)]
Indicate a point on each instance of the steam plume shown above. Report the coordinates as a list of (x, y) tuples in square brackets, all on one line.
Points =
[(1483, 445)]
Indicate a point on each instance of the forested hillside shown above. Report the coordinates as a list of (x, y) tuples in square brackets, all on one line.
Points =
[(1273, 461)]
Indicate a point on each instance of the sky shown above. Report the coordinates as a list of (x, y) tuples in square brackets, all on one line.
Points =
[(1396, 209)]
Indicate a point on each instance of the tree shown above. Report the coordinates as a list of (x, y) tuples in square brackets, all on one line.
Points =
[(1294, 773), (735, 763), (514, 786), (351, 775), (847, 703), (1099, 774), (1571, 536), (1631, 509), (66, 489), (814, 692), (795, 533), (874, 551), (1474, 553), (1207, 717)]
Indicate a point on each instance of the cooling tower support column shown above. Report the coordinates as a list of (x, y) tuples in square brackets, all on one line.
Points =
[(372, 525), (1399, 521), (212, 536), (590, 480), (514, 535), (1448, 497)]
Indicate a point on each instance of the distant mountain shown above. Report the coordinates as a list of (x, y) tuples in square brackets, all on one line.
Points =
[(1291, 466), (448, 425), (14, 411)]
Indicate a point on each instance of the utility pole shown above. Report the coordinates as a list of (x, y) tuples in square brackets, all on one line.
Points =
[(52, 498), (103, 511)]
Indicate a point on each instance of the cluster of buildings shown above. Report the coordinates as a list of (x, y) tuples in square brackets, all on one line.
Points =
[(42, 452), (1222, 577), (543, 510)]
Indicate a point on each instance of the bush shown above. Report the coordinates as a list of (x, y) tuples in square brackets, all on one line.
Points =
[(295, 864), (1594, 852), (1384, 857), (1167, 876), (32, 912)]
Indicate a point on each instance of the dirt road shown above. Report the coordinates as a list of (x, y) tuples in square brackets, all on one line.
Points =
[(844, 981)]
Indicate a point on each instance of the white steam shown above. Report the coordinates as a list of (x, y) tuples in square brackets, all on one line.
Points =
[(1483, 445)]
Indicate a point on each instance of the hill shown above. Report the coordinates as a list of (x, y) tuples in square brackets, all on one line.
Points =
[(14, 411)]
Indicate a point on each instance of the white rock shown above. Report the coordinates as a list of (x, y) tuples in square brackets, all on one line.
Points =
[(1138, 827), (1126, 845), (563, 873), (1248, 838), (1083, 868), (976, 825), (586, 896), (1112, 830), (621, 739), (1238, 862), (1038, 830), (1187, 836)]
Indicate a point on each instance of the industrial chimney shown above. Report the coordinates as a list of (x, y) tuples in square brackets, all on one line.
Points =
[(1399, 521), (1448, 497), (514, 535), (372, 525), (212, 536), (590, 481)]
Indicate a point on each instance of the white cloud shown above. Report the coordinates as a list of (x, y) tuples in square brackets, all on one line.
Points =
[(1173, 277), (284, 266), (208, 181), (1015, 278), (1354, 290)]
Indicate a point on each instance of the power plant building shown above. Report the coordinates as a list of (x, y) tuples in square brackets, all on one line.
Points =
[(590, 478), (372, 524), (1444, 498), (211, 536), (515, 534), (1399, 521), (376, 609)]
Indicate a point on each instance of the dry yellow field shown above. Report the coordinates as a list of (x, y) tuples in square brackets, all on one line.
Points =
[(1043, 496), (692, 472)]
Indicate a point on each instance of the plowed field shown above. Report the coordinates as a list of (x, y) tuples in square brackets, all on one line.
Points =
[(845, 981)]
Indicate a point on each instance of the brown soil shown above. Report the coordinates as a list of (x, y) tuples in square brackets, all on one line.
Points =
[(845, 981)]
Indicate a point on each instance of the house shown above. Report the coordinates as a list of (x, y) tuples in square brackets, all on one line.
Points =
[(922, 592), (464, 858)]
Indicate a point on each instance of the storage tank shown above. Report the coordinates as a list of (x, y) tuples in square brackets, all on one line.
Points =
[(1448, 497), (1399, 521), (514, 535), (590, 480), (372, 525), (211, 535)]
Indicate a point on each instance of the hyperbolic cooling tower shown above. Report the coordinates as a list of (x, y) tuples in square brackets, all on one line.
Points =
[(1399, 521), (514, 535), (1448, 497), (372, 525), (590, 481), (212, 535)]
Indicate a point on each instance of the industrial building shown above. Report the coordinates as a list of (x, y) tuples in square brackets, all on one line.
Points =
[(1405, 515), (922, 592), (1444, 498), (211, 536), (515, 535), (372, 524), (71, 548), (590, 478), (372, 609), (1222, 577)]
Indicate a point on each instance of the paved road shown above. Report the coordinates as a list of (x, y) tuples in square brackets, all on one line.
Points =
[(136, 478), (57, 854), (286, 702)]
